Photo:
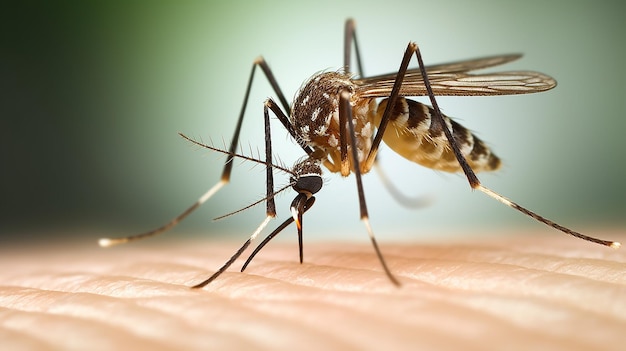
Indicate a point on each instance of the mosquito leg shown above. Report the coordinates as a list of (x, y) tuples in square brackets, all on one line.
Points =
[(347, 127), (504, 200), (348, 39), (345, 114), (236, 255), (260, 61), (285, 122), (469, 173), (228, 165), (267, 239), (279, 229), (269, 177), (393, 98), (471, 176), (107, 242), (269, 172)]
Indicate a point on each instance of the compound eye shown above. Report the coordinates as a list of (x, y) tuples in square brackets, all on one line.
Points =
[(311, 183)]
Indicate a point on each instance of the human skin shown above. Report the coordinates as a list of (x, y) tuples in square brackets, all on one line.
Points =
[(520, 292)]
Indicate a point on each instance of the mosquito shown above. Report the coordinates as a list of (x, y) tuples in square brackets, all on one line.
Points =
[(340, 119)]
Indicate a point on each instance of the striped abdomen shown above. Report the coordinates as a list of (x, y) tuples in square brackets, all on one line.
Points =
[(414, 135)]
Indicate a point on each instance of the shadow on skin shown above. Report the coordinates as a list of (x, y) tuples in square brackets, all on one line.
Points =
[(525, 292)]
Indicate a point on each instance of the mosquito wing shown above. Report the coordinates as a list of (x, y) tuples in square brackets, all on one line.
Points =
[(454, 79)]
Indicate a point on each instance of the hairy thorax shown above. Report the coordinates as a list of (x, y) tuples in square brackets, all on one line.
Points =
[(315, 118)]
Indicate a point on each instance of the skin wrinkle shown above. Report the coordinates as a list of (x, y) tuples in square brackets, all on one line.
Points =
[(517, 292)]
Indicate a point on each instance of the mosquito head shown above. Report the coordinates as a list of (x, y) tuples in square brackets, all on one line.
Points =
[(307, 180)]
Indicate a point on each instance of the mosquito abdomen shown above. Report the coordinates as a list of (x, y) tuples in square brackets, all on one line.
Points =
[(414, 135)]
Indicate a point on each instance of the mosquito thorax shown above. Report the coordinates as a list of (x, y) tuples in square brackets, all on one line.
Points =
[(307, 177), (315, 117), (316, 105)]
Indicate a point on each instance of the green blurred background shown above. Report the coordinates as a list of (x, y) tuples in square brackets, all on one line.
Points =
[(93, 94)]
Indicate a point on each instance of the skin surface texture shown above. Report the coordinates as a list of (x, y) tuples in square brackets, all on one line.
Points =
[(523, 292)]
